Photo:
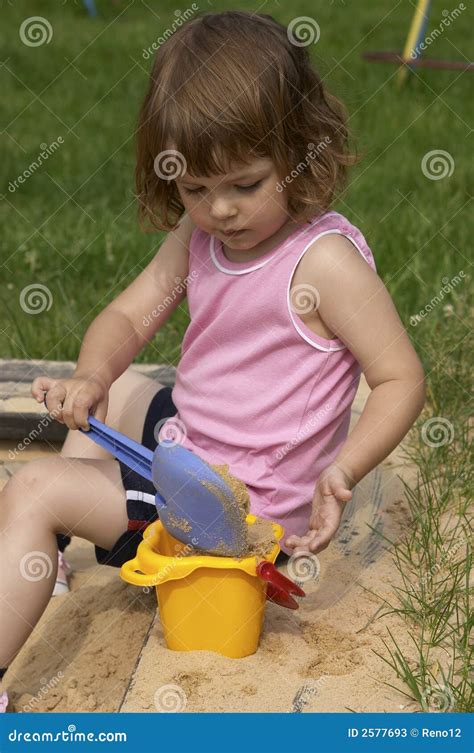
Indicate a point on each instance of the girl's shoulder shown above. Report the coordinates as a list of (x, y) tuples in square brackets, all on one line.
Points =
[(336, 224)]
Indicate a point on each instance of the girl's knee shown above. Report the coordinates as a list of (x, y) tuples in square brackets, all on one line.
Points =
[(27, 492), (64, 495)]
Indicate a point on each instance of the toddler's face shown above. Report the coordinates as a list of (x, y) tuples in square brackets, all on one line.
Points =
[(245, 199)]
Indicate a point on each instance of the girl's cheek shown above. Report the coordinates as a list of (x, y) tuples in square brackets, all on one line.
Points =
[(194, 209), (267, 206)]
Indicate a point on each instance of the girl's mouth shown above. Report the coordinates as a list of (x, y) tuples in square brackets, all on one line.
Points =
[(232, 232)]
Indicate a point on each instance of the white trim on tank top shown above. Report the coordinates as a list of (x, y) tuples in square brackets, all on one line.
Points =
[(295, 324), (288, 242)]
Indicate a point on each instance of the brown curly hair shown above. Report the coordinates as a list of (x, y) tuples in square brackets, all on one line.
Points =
[(228, 86)]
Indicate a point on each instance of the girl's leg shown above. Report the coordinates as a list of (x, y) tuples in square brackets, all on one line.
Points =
[(84, 497), (129, 398)]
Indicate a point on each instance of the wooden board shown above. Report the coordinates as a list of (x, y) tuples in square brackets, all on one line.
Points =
[(20, 413)]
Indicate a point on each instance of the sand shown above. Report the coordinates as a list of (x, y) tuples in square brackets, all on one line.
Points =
[(319, 658), (238, 488), (83, 651), (101, 647), (106, 641), (235, 507), (260, 537), (256, 539)]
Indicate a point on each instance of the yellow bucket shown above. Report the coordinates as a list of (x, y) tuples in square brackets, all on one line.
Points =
[(206, 602)]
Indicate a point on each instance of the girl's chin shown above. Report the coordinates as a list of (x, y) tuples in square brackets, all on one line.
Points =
[(242, 240)]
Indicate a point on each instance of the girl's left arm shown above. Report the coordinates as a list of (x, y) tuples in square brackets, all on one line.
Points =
[(364, 317), (356, 306)]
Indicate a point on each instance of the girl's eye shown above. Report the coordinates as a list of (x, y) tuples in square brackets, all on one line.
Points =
[(249, 188), (252, 187)]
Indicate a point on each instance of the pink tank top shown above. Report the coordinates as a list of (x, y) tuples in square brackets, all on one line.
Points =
[(255, 387)]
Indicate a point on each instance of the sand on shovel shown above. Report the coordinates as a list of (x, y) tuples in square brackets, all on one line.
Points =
[(260, 536)]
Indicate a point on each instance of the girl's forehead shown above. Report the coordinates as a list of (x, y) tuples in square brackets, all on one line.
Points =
[(235, 170)]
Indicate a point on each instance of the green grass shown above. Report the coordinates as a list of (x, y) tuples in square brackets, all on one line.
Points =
[(434, 556), (87, 248)]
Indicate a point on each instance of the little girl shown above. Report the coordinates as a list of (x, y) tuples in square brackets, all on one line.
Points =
[(241, 154)]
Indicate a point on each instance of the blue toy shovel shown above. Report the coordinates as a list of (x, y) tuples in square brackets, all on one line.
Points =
[(193, 502)]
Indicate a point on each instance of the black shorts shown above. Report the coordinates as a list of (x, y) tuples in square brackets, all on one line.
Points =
[(141, 509)]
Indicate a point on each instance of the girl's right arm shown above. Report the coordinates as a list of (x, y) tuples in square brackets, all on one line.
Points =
[(119, 332)]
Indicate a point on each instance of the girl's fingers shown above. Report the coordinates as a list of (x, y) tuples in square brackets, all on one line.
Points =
[(55, 399), (326, 488), (40, 386), (69, 412), (323, 530), (342, 494), (295, 541), (302, 550), (319, 540), (83, 415), (100, 411), (310, 544), (302, 541), (77, 407)]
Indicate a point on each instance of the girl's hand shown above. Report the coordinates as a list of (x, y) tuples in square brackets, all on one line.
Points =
[(333, 490), (70, 401)]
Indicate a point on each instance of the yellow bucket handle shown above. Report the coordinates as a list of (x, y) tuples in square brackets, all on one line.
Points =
[(177, 568), (130, 574)]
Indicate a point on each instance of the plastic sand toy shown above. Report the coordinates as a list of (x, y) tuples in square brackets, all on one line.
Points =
[(194, 503), (210, 603)]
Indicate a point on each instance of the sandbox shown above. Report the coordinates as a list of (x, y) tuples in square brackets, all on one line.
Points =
[(101, 647)]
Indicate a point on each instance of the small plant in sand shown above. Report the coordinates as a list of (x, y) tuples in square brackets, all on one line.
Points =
[(434, 557)]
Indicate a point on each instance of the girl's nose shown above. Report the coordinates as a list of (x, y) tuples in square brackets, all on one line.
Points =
[(220, 209)]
